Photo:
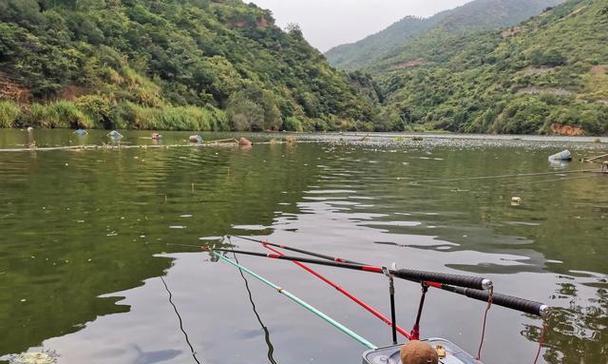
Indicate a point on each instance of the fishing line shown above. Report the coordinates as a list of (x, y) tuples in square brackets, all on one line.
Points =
[(346, 293), (255, 311), (485, 319), (541, 340), (517, 175), (345, 330), (198, 247), (595, 175), (181, 323)]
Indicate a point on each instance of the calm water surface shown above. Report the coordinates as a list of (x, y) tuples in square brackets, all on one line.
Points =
[(87, 235)]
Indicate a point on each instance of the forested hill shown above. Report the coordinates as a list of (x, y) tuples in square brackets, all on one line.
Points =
[(546, 75), (167, 64), (474, 16)]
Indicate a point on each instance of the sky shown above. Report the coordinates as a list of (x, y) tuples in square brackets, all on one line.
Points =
[(328, 23)]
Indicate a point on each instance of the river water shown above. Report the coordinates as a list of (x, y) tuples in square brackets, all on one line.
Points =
[(86, 236)]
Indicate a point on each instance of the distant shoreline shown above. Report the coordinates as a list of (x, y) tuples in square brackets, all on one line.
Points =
[(395, 136)]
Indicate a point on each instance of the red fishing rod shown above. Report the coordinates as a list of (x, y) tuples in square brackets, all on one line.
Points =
[(342, 290)]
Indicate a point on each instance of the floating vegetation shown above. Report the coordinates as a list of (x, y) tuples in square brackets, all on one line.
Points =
[(42, 357)]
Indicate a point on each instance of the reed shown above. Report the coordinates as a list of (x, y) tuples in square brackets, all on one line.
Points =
[(9, 113), (174, 118), (58, 114)]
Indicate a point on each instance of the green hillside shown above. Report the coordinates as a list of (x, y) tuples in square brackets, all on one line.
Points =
[(474, 16), (532, 78), (166, 64), (366, 51)]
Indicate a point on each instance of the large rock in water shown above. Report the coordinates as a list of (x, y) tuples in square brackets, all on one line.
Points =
[(195, 139), (561, 156), (244, 142)]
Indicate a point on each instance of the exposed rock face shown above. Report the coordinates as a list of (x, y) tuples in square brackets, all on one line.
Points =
[(12, 90), (411, 64), (566, 130), (510, 32)]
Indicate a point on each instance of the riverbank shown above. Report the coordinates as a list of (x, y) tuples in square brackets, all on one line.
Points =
[(96, 112), (40, 139)]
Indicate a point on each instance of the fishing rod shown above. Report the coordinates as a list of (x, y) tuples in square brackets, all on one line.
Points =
[(307, 252), (300, 302), (366, 306), (511, 302), (407, 274), (392, 322)]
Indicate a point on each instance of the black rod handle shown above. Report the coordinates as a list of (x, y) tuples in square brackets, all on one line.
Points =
[(445, 278), (514, 303)]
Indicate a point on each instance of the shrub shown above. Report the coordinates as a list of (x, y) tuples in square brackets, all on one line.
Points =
[(550, 57), (98, 109), (245, 115), (9, 113), (293, 124), (526, 115), (254, 109)]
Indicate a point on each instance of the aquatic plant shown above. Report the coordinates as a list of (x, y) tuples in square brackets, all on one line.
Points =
[(42, 357)]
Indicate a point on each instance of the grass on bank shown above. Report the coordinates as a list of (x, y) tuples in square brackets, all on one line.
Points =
[(9, 113), (96, 112)]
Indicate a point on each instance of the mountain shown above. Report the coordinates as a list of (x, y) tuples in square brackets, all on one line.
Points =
[(166, 64), (546, 75), (474, 16)]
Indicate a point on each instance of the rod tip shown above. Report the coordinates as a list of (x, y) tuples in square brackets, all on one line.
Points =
[(486, 284), (544, 311)]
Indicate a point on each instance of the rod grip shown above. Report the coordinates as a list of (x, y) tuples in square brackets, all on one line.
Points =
[(444, 278), (514, 303)]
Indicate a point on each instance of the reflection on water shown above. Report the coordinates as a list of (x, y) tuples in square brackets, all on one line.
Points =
[(86, 234)]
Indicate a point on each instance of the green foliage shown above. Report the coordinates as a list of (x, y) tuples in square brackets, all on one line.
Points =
[(476, 15), (69, 115), (293, 124), (110, 56), (525, 115), (522, 80), (547, 57), (9, 113), (98, 109), (253, 109)]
